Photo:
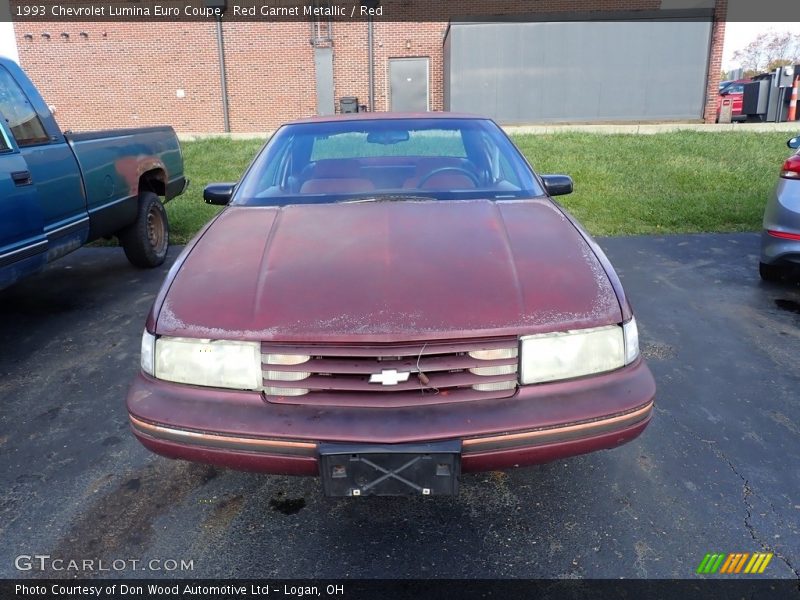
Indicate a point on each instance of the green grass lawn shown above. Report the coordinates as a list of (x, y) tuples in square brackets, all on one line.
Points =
[(206, 161), (625, 184)]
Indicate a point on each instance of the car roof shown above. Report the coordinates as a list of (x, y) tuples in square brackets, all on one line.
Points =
[(385, 116)]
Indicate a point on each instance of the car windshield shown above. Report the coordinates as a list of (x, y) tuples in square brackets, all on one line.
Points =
[(733, 88), (386, 159)]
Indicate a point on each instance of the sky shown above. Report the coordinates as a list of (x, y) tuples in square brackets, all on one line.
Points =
[(738, 35), (7, 45)]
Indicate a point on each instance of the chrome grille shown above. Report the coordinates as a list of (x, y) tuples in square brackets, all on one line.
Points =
[(438, 372)]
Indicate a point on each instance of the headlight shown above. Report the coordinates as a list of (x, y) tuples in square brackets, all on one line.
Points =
[(568, 354), (212, 363), (148, 352)]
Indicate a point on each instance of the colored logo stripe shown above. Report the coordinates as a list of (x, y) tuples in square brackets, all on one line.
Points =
[(734, 563), (740, 564), (758, 563), (710, 563)]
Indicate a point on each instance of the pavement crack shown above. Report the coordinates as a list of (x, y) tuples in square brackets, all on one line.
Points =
[(747, 492)]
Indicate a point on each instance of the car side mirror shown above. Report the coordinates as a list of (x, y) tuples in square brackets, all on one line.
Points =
[(557, 185), (794, 143), (218, 194)]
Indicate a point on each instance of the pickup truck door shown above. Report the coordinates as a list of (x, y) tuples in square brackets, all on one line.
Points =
[(23, 244), (52, 166)]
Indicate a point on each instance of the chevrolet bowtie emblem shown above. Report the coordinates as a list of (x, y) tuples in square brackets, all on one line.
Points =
[(388, 377)]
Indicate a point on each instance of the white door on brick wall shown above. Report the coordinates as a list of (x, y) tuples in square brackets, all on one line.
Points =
[(408, 84)]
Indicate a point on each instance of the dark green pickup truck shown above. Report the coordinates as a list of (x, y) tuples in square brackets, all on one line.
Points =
[(59, 191)]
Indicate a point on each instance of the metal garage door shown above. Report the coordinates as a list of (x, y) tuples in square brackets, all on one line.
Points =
[(578, 71)]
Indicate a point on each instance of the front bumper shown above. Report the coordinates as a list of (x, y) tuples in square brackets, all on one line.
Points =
[(541, 423)]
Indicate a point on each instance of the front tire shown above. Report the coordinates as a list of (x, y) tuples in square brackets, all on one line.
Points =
[(772, 273), (146, 241)]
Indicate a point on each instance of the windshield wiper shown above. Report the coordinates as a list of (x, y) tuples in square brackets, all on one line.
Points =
[(387, 198)]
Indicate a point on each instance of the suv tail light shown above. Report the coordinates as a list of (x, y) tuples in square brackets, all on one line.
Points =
[(791, 168)]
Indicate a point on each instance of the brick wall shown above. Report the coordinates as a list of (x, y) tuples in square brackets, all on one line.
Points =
[(125, 74), (105, 75), (270, 70), (423, 40), (715, 61), (350, 65)]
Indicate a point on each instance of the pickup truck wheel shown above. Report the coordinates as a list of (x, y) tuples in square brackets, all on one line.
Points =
[(146, 241)]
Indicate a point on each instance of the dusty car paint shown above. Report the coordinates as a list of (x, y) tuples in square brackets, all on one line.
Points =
[(389, 280), (249, 421), (380, 271)]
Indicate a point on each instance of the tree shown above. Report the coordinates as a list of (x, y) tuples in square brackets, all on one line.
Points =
[(769, 50), (781, 62)]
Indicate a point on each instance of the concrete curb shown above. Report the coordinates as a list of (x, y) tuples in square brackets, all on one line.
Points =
[(651, 128), (605, 128)]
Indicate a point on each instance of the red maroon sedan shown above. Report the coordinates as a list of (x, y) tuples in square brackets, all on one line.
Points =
[(388, 301)]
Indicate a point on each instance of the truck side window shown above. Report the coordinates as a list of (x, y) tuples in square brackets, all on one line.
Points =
[(25, 125)]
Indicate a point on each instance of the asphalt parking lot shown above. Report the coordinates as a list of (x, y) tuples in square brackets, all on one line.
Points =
[(718, 470)]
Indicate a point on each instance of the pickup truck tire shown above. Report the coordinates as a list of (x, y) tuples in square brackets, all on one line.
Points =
[(145, 241)]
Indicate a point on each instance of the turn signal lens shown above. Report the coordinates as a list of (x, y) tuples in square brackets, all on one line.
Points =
[(495, 387), (286, 359), (490, 371), (631, 334), (276, 391), (498, 354), (148, 353), (286, 375)]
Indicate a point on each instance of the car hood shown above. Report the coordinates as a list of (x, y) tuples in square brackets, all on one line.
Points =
[(388, 271)]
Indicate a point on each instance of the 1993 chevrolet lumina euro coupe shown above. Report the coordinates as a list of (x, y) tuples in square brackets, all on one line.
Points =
[(388, 301)]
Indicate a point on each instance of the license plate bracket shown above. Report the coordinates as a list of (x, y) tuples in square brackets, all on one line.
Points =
[(427, 469)]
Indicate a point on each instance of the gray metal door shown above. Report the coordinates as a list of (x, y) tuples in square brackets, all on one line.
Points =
[(408, 84), (323, 67)]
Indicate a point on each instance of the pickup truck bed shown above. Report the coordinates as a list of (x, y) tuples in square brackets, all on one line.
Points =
[(59, 191), (121, 157)]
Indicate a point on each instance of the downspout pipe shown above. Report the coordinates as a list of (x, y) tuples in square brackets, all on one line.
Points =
[(223, 78), (371, 64)]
